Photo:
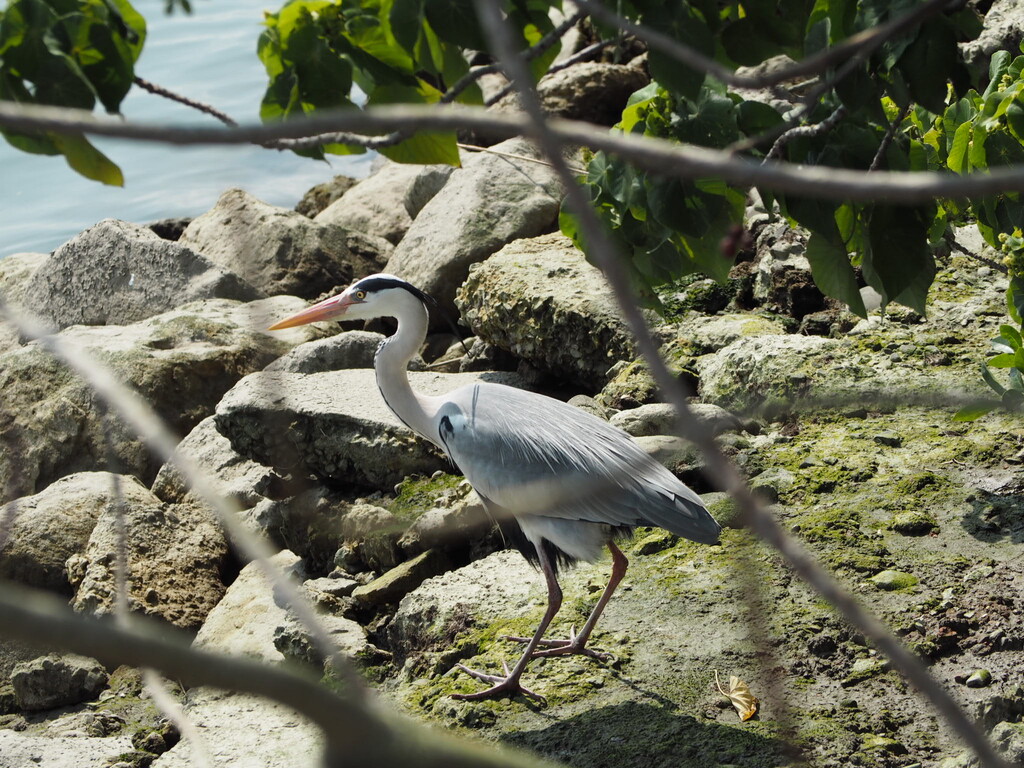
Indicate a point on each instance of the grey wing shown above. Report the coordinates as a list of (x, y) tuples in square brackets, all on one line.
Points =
[(531, 454)]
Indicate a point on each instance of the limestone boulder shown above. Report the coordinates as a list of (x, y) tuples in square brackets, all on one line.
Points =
[(279, 251), (593, 91), (176, 554), (181, 362), (244, 481), (73, 751), (55, 524), (769, 372), (243, 623), (334, 425), (660, 419), (322, 195), (116, 273), (15, 271), (489, 202), (351, 349), (376, 204), (57, 680), (540, 300)]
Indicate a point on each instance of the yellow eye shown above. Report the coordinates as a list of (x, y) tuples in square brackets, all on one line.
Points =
[(360, 295)]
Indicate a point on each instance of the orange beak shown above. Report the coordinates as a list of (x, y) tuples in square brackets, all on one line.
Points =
[(328, 309)]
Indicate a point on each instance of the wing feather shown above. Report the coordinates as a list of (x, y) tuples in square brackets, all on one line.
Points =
[(531, 454)]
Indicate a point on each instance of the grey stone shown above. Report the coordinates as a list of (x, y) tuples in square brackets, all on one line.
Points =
[(116, 273), (52, 424), (590, 405), (403, 579), (57, 681), (277, 250), (15, 271), (499, 585), (334, 425), (322, 195), (669, 450), (294, 642), (593, 91), (1008, 740), (244, 621), (704, 335), (376, 204), (660, 419), (231, 475), (1003, 30), (175, 552), (540, 300), (56, 523), (22, 750), (447, 527), (351, 349), (427, 183), (489, 202)]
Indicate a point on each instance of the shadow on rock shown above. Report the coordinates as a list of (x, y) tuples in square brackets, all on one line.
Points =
[(641, 734), (997, 516)]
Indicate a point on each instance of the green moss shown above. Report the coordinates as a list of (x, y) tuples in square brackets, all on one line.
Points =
[(894, 581), (415, 495), (914, 522)]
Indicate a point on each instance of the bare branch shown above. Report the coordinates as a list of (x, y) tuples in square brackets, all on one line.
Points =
[(805, 130), (719, 467), (890, 132), (647, 153), (863, 43), (166, 93)]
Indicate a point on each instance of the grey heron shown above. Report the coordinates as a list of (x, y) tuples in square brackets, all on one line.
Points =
[(561, 483)]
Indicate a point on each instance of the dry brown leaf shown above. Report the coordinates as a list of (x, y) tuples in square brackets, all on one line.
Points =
[(739, 694)]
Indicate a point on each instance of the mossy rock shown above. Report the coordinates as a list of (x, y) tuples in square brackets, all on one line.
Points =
[(724, 509), (913, 522), (894, 581)]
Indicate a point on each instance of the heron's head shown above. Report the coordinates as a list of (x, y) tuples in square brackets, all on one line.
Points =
[(374, 296)]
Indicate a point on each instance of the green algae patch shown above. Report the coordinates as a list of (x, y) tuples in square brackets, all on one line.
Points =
[(415, 495), (894, 581), (914, 522)]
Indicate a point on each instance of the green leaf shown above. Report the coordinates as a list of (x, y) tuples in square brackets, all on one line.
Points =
[(833, 273), (958, 160), (927, 63), (899, 264), (1005, 360), (986, 374), (973, 412), (1015, 299), (687, 25), (84, 158), (425, 149), (1011, 335), (455, 21)]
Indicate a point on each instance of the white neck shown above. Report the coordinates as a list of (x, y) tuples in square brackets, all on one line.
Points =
[(391, 365)]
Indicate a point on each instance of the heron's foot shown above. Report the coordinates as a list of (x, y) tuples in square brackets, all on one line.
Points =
[(574, 644), (507, 685)]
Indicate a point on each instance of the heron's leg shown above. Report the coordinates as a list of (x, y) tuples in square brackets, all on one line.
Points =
[(576, 643), (510, 682)]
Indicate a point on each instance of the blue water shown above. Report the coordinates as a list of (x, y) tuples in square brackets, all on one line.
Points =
[(209, 56)]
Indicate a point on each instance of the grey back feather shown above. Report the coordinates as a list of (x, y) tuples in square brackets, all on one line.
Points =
[(532, 455)]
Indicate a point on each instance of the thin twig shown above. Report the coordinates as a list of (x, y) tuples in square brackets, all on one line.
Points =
[(166, 93), (719, 467), (513, 156), (804, 131), (890, 133)]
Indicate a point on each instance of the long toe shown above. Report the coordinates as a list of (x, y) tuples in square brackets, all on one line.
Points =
[(503, 686)]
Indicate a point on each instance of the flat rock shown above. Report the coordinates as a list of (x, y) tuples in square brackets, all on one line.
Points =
[(501, 584), (376, 204), (700, 335), (116, 273), (351, 349), (244, 621), (771, 372), (660, 419), (57, 681), (182, 362), (540, 300), (176, 553), (56, 524), (243, 731), (21, 750), (593, 91), (279, 251), (230, 474), (334, 425), (489, 202), (403, 578)]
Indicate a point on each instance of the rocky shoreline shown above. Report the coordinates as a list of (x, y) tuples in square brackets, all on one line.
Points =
[(844, 425)]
